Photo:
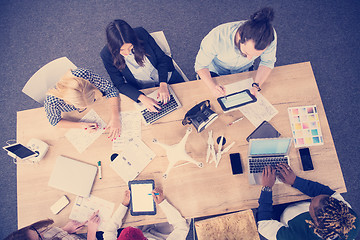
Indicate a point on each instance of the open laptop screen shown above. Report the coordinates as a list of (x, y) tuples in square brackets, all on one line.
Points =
[(278, 146)]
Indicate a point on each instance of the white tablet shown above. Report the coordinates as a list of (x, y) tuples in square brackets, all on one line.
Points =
[(141, 200)]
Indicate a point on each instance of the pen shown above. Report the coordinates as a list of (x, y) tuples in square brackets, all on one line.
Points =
[(237, 120), (99, 169), (154, 193)]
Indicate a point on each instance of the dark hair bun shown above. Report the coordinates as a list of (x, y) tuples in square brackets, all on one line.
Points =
[(263, 15)]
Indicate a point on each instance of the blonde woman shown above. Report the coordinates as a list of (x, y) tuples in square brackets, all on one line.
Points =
[(76, 90)]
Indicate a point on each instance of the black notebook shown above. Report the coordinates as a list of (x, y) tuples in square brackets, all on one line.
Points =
[(264, 130)]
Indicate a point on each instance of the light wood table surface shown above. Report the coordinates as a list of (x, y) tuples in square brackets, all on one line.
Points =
[(194, 191)]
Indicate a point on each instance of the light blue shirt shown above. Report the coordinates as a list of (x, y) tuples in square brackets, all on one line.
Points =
[(147, 76), (219, 54)]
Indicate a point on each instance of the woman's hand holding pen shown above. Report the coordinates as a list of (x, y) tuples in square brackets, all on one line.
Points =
[(91, 127), (158, 198), (149, 103)]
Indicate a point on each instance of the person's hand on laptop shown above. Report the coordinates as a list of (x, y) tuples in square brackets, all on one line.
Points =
[(163, 93), (126, 200), (158, 195), (268, 176), (286, 174), (149, 103)]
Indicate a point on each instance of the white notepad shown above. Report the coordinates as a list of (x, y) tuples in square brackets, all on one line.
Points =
[(73, 176)]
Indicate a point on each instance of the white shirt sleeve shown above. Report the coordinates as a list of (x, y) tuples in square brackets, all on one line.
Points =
[(269, 228), (208, 50), (181, 227), (110, 230)]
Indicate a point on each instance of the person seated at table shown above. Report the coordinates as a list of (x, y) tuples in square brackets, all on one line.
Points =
[(134, 61), (233, 47), (327, 216), (177, 228), (44, 230), (76, 90)]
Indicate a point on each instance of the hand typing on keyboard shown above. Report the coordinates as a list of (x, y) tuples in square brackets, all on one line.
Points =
[(163, 93), (268, 176), (149, 103), (286, 174)]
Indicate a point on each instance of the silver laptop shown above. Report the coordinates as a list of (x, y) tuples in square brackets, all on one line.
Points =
[(151, 117), (266, 151)]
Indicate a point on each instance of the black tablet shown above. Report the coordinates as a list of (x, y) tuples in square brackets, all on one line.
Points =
[(141, 200), (236, 100), (264, 130), (20, 151)]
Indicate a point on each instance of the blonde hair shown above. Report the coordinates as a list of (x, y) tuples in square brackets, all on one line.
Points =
[(75, 90)]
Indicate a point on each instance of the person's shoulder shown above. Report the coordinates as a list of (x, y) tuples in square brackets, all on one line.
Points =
[(141, 32), (105, 52), (51, 100)]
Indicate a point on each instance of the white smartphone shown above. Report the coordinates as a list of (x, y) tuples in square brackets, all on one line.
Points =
[(59, 205)]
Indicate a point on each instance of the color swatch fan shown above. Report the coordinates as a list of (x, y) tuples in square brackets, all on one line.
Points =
[(305, 126)]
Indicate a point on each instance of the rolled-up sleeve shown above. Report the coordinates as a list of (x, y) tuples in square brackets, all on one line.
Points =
[(207, 52), (53, 113), (268, 57)]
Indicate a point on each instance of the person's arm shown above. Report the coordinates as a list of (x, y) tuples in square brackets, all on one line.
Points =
[(310, 188), (207, 52), (266, 226), (181, 228), (114, 124), (111, 227), (262, 74), (117, 77), (267, 63), (93, 224), (53, 114), (216, 89)]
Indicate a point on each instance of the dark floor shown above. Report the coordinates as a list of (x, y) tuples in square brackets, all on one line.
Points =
[(326, 33)]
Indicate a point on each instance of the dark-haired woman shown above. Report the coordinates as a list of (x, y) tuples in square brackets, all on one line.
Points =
[(45, 230), (233, 47), (134, 61)]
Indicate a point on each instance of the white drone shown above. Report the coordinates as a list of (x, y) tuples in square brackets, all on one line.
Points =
[(177, 153)]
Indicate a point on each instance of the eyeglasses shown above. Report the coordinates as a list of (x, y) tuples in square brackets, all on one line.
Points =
[(33, 228)]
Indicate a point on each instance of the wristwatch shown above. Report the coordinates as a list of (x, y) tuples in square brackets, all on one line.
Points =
[(266, 189), (256, 85)]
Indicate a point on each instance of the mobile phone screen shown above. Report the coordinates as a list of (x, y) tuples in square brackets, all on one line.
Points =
[(306, 159), (236, 163)]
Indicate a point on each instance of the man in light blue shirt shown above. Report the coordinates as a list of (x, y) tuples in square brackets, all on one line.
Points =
[(233, 47)]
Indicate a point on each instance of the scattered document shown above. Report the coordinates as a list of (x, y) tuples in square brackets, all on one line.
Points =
[(82, 139), (132, 160), (84, 207), (130, 129), (256, 112)]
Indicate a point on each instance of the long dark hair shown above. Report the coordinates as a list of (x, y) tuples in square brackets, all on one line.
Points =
[(258, 28), (22, 234), (119, 32)]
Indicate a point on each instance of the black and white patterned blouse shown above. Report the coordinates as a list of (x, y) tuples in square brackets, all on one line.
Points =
[(54, 106)]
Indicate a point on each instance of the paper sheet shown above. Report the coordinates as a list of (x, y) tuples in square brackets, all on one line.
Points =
[(84, 207), (130, 128), (256, 112), (132, 160), (80, 138)]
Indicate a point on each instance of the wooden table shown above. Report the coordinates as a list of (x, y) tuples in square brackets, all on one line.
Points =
[(194, 191)]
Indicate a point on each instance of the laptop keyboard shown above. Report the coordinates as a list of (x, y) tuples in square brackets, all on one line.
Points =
[(170, 106), (257, 165)]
